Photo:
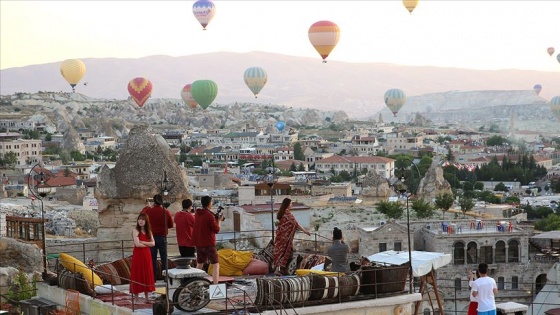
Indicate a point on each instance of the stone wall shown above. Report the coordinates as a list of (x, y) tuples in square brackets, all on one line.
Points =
[(74, 196), (23, 256), (388, 234)]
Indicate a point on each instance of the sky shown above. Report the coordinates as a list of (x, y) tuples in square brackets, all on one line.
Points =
[(484, 35)]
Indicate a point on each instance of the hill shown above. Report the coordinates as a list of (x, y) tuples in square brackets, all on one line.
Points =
[(356, 88)]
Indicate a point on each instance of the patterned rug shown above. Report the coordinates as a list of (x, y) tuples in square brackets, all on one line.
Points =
[(125, 300)]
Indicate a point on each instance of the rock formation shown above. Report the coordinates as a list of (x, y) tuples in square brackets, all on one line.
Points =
[(375, 187), (433, 183), (23, 256), (121, 191)]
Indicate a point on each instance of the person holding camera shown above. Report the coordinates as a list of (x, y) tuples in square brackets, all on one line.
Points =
[(484, 289), (473, 305), (161, 221), (184, 221), (204, 236), (338, 252)]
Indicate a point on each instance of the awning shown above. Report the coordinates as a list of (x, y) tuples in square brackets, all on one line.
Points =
[(552, 235), (422, 262)]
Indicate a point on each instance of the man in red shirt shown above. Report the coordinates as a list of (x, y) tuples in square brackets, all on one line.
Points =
[(184, 221), (204, 235), (161, 221)]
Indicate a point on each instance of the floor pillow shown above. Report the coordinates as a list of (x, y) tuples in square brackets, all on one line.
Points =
[(74, 281), (256, 267), (76, 265)]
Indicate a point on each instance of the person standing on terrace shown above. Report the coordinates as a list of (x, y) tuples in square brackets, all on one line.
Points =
[(284, 239), (338, 252), (184, 222), (484, 289), (204, 235), (141, 277), (160, 219)]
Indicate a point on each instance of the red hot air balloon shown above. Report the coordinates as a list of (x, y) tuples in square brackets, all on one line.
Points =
[(140, 90)]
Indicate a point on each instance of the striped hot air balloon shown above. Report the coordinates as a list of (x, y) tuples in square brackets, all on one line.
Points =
[(204, 11), (73, 70), (187, 96), (324, 36), (140, 90), (255, 78), (204, 92), (394, 99)]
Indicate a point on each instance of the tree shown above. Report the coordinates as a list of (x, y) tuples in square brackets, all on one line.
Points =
[(298, 152), (10, 158), (293, 167), (479, 186), (423, 209), (391, 209), (77, 155), (48, 137), (500, 187), (444, 202), (466, 204), (301, 168), (550, 223)]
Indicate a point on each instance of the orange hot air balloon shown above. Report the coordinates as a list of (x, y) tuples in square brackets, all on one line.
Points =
[(324, 36), (550, 51), (140, 90)]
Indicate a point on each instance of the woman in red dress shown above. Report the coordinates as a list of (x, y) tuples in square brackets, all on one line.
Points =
[(141, 271), (284, 239)]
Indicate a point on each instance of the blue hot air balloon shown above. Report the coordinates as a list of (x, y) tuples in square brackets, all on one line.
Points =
[(280, 126)]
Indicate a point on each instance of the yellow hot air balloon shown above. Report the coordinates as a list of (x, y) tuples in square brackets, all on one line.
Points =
[(73, 70), (410, 5)]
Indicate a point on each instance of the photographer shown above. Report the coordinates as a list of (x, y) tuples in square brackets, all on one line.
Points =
[(204, 236)]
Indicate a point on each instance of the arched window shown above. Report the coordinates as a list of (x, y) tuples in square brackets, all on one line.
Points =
[(540, 282), (500, 252), (501, 284), (514, 282), (513, 251), (436, 311), (472, 253), (458, 284), (459, 253), (427, 311)]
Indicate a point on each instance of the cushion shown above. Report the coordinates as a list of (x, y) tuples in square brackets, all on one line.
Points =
[(256, 267), (282, 290), (267, 255), (105, 289), (74, 281), (305, 272), (76, 265), (313, 260), (116, 272), (232, 262)]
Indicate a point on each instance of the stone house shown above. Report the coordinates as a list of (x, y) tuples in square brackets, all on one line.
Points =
[(386, 236)]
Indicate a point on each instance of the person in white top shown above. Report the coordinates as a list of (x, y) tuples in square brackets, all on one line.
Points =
[(473, 305), (484, 289)]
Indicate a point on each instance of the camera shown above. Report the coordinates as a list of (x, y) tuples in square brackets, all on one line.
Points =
[(473, 272), (219, 215)]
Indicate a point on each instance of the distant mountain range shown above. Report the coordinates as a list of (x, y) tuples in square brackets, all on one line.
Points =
[(356, 88)]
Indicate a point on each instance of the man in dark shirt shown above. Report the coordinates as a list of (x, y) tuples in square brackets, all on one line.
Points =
[(161, 221), (204, 236)]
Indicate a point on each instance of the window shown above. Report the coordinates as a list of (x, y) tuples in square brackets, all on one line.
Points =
[(459, 253), (427, 311), (513, 251), (514, 282), (397, 247), (500, 252), (382, 247), (501, 284), (458, 284)]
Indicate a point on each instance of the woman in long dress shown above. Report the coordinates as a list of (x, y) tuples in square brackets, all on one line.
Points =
[(141, 273), (284, 240)]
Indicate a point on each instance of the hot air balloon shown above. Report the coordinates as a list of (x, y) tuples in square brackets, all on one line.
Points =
[(73, 70), (558, 57), (204, 11), (280, 126), (555, 106), (410, 5), (324, 36), (204, 92), (395, 99), (187, 96), (255, 78), (140, 90), (550, 51), (537, 88)]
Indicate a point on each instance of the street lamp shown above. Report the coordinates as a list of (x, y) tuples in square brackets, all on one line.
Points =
[(403, 191), (37, 184), (270, 181), (165, 186)]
